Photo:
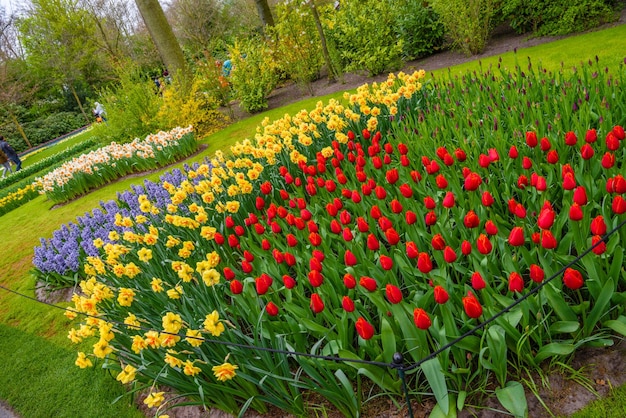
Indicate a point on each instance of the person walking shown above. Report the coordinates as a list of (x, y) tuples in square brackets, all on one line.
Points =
[(99, 112), (5, 163), (6, 148)]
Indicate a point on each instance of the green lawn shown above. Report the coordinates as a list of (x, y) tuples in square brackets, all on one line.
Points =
[(37, 373)]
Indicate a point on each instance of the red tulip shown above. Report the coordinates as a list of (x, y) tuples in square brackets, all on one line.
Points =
[(472, 181), (406, 190), (513, 153), (608, 160), (619, 184), (531, 139), (410, 217), (392, 236), (598, 244), (396, 206), (271, 309), (375, 212), (478, 282), (411, 250), (344, 217), (430, 218), (372, 242), (385, 262), (618, 131), (349, 281), (460, 154), (364, 328), (527, 163), (580, 196), (541, 184), (441, 181), (544, 144), (289, 282), (570, 138), (536, 273), (548, 241), (552, 157), (317, 304), (319, 255), (483, 244), (349, 258), (362, 224), (246, 266), (229, 274), (380, 192), (263, 283), (368, 283), (347, 304), (403, 149), (438, 242), (384, 223), (491, 228), (347, 234), (493, 155), (575, 212), (598, 226), (441, 295), (591, 136), (516, 236), (421, 319), (522, 182), (612, 142), (466, 247), (423, 263), (546, 218), (472, 306), (393, 293), (484, 160), (236, 287), (429, 202), (392, 176), (233, 241), (315, 239), (516, 283), (586, 152), (487, 199), (470, 220), (573, 279), (448, 200), (519, 210), (449, 255), (316, 278), (619, 205)]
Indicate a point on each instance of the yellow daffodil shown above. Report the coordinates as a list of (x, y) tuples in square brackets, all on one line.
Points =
[(224, 372)]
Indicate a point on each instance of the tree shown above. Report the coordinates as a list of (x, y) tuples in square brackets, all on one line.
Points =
[(265, 13), (163, 36), (58, 40)]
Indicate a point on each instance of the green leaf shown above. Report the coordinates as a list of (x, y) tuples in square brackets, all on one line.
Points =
[(600, 306), (618, 325), (562, 309), (378, 375), (388, 340), (554, 349), (513, 398), (437, 412), (313, 326), (437, 381), (564, 327)]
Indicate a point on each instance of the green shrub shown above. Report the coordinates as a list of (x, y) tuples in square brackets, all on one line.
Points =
[(548, 17), (296, 44), (253, 76), (365, 41), (467, 23), (419, 27)]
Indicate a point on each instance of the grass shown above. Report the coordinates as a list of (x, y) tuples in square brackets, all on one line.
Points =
[(37, 373)]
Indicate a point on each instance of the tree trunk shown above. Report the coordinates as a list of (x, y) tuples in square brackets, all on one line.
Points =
[(318, 23), (163, 36), (80, 105), (264, 12), (20, 130)]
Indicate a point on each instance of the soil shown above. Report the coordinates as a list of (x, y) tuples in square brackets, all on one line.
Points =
[(559, 394)]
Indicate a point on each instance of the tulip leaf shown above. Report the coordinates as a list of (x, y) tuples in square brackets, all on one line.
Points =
[(438, 412), (555, 299), (513, 398), (313, 326), (616, 262), (600, 306), (554, 349), (564, 327), (437, 381), (618, 325), (388, 339), (378, 375)]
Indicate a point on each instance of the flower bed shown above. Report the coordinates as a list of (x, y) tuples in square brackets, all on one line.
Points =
[(413, 216), (101, 166)]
